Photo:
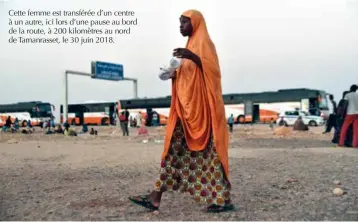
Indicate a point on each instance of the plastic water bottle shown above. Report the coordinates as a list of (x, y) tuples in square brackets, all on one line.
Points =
[(167, 72), (175, 63)]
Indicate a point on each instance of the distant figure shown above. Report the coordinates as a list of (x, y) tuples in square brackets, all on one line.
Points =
[(154, 119), (282, 122), (16, 124), (8, 122), (332, 120), (341, 113), (299, 125), (143, 131), (48, 131), (44, 125), (118, 114), (93, 132), (84, 128), (52, 122), (47, 127), (271, 124), (29, 126), (351, 117), (59, 129), (134, 122), (230, 123), (131, 122), (66, 126), (124, 124), (139, 119), (26, 131), (342, 106), (127, 115), (68, 131), (113, 119)]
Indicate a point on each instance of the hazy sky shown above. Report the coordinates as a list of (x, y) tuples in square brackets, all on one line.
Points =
[(262, 45)]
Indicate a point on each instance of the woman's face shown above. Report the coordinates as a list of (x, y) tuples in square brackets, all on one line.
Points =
[(186, 26)]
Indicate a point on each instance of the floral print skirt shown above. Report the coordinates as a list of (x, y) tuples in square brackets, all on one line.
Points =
[(199, 173)]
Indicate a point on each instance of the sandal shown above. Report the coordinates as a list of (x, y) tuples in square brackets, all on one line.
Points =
[(143, 201), (214, 208)]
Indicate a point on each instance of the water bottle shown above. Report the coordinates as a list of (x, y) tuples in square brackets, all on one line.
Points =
[(175, 63), (168, 71)]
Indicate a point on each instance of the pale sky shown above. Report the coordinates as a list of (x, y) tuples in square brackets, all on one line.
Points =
[(262, 45)]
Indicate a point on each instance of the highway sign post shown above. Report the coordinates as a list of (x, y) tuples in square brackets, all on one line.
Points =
[(107, 71), (99, 70)]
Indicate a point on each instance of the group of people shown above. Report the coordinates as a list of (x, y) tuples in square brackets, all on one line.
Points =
[(124, 120), (10, 126), (137, 121), (49, 127), (299, 124), (72, 132), (344, 119), (14, 127)]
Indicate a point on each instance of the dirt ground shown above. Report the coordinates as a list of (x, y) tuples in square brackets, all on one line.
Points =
[(52, 177)]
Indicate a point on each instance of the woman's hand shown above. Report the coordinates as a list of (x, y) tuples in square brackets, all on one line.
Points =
[(173, 75), (183, 53), (187, 54)]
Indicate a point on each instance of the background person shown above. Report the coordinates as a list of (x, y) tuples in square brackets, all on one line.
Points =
[(351, 117)]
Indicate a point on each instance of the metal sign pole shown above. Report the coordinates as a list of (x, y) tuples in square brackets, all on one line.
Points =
[(67, 72), (135, 89), (64, 117), (135, 81), (65, 110)]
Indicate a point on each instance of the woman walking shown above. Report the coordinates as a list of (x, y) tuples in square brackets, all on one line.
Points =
[(195, 157)]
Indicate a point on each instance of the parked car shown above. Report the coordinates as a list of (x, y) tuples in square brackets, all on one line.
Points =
[(290, 117)]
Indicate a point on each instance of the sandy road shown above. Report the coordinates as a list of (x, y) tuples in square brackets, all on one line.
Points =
[(89, 178)]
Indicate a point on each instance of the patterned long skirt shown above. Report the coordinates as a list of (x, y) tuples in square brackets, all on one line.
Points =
[(199, 173)]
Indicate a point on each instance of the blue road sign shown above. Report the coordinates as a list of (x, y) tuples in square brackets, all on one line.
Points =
[(107, 71)]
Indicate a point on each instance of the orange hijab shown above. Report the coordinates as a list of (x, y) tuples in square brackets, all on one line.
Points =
[(197, 96)]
